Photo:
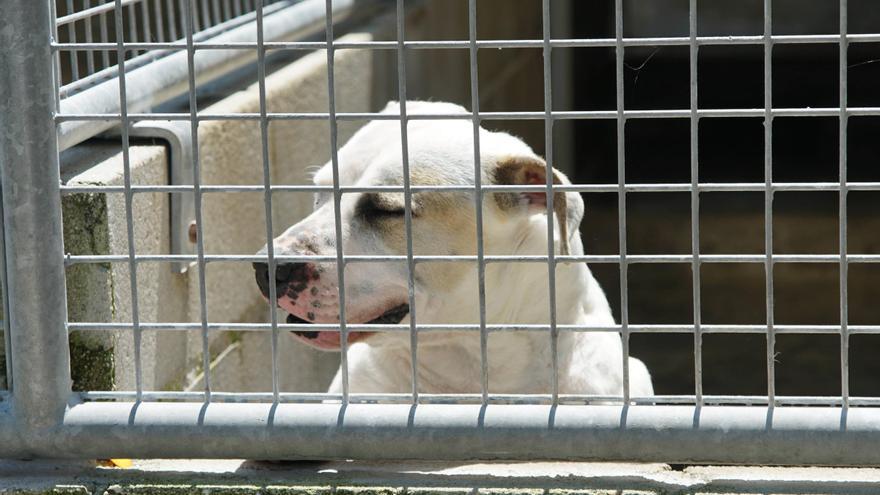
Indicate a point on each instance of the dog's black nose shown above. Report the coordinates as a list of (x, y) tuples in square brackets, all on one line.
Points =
[(281, 278)]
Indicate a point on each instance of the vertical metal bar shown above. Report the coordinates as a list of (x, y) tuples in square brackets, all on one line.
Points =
[(105, 37), (90, 54), (171, 7), (844, 190), (621, 193), (194, 18), (189, 19), (548, 155), (267, 194), (227, 10), (159, 19), (236, 7), (38, 354), (129, 214), (695, 205), (215, 8), (407, 199), (145, 22), (478, 199), (768, 199), (71, 35), (337, 198), (206, 14), (132, 27)]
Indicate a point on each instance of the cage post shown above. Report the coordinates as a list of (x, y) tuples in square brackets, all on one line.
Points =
[(548, 176), (129, 201), (695, 201), (34, 255), (267, 196), (190, 17), (337, 196), (478, 199), (768, 200), (621, 191), (843, 67), (407, 194)]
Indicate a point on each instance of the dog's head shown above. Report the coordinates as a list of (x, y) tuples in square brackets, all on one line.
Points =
[(443, 223)]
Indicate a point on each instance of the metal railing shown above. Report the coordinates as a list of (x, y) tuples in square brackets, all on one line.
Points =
[(157, 71), (42, 417), (145, 21)]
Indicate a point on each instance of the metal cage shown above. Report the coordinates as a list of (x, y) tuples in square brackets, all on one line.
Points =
[(41, 417)]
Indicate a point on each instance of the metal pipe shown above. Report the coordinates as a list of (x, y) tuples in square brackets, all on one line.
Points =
[(166, 78), (34, 256), (395, 258), (681, 434), (593, 188), (464, 327), (586, 114), (554, 43), (474, 398)]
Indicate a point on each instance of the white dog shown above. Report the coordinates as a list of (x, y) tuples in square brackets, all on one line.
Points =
[(443, 223)]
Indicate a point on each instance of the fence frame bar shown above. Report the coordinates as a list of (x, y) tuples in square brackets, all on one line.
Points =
[(708, 434), (34, 257)]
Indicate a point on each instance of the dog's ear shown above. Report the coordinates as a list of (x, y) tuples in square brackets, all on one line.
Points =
[(532, 171)]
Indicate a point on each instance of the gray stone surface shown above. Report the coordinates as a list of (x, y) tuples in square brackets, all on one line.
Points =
[(367, 478)]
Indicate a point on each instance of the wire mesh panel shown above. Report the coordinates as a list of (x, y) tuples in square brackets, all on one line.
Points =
[(525, 358), (92, 23)]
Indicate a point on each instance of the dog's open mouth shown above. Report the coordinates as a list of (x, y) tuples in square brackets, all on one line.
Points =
[(331, 340)]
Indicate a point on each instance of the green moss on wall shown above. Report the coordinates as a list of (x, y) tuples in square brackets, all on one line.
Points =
[(91, 365), (89, 290)]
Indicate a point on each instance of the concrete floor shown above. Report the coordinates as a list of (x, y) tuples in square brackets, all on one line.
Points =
[(249, 477)]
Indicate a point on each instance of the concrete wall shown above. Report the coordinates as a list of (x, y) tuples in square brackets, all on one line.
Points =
[(234, 223)]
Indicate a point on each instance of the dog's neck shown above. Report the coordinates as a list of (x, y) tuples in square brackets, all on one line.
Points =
[(519, 292), (516, 293)]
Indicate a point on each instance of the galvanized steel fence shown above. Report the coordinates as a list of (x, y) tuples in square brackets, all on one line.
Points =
[(41, 417)]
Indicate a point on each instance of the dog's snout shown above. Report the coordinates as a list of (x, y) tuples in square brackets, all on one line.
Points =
[(262, 274), (283, 275)]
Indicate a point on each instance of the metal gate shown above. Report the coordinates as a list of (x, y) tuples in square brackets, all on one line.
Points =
[(41, 417)]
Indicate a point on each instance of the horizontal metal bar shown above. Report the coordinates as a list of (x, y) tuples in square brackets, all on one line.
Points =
[(332, 327), (91, 12), (67, 116), (495, 44), (71, 259), (678, 434), (472, 398), (589, 188), (167, 77)]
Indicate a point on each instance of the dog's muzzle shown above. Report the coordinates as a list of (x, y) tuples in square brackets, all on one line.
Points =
[(290, 280)]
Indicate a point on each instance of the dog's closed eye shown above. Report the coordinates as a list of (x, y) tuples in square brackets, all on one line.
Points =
[(381, 206)]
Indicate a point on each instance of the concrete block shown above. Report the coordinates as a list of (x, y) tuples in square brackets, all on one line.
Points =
[(96, 224)]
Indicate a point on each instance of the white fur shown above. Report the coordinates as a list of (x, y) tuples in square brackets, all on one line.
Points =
[(516, 293)]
